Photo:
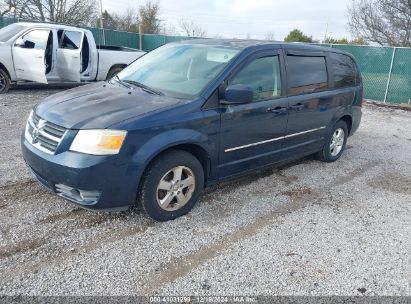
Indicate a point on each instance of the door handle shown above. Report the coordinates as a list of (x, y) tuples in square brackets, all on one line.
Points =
[(297, 107), (38, 56), (277, 110)]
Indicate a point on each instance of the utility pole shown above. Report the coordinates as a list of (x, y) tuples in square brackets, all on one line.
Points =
[(326, 31), (101, 21)]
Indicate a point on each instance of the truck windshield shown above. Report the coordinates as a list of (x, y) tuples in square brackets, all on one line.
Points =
[(178, 70), (10, 31)]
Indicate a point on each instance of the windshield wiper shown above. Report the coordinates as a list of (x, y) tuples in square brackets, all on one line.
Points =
[(144, 87), (121, 82)]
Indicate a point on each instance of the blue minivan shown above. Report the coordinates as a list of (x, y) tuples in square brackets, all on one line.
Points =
[(190, 114)]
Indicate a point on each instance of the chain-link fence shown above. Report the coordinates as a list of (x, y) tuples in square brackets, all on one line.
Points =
[(386, 71)]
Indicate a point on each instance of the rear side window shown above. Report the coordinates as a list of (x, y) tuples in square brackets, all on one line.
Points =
[(344, 70), (71, 40), (306, 74), (263, 76)]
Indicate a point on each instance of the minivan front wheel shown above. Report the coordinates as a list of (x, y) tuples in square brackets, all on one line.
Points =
[(335, 143), (171, 185)]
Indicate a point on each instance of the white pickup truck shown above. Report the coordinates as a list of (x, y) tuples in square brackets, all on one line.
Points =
[(47, 53)]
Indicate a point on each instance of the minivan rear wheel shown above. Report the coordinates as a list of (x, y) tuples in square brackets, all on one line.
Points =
[(171, 185), (335, 143)]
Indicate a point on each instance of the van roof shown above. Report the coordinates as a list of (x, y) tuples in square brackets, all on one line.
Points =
[(247, 43)]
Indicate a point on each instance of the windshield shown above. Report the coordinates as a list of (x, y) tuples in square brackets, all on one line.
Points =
[(10, 31), (178, 70)]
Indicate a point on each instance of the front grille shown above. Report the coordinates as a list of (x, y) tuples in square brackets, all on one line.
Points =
[(43, 134)]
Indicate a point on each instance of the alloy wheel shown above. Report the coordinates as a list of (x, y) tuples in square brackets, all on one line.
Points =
[(337, 142), (175, 188)]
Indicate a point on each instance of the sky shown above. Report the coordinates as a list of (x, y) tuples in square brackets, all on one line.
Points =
[(251, 18)]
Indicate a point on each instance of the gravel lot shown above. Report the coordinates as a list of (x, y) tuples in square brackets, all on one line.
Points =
[(308, 228)]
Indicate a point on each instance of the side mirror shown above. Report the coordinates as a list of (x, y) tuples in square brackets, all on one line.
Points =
[(237, 94)]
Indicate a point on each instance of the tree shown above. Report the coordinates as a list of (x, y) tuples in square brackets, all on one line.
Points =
[(386, 22), (76, 12), (191, 29), (270, 36), (298, 36), (109, 21), (7, 7), (150, 24), (331, 40), (128, 21)]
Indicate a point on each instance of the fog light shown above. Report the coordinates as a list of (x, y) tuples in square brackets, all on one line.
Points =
[(83, 197)]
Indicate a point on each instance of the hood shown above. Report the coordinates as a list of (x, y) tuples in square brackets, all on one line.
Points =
[(99, 105)]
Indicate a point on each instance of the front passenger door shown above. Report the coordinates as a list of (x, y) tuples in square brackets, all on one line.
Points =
[(29, 55), (251, 134)]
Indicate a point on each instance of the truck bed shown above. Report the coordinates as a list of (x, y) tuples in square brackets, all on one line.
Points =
[(116, 48)]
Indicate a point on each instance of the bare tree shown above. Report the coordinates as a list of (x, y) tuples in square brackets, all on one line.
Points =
[(270, 36), (128, 21), (386, 22), (76, 12), (7, 7), (169, 29), (150, 23), (191, 29)]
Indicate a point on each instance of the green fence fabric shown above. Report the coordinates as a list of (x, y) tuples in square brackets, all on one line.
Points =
[(399, 89), (386, 71), (113, 37), (375, 63)]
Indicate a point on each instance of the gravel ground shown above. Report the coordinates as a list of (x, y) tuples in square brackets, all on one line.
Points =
[(308, 228)]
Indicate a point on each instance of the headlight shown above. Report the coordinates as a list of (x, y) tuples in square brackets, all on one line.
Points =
[(98, 142)]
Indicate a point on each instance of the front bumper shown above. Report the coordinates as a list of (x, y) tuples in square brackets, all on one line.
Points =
[(93, 182)]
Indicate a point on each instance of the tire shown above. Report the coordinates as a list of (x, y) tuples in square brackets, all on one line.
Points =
[(113, 72), (4, 81), (334, 144), (165, 193)]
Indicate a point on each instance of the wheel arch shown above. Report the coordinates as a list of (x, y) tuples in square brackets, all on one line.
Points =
[(114, 66), (345, 115), (348, 120), (3, 67), (194, 149), (190, 141)]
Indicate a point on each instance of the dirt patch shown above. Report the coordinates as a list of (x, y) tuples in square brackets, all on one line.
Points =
[(393, 182), (297, 193), (357, 172), (95, 243), (21, 247), (288, 179), (60, 216), (22, 189)]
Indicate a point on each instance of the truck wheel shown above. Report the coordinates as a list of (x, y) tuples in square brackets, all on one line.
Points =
[(335, 143), (114, 71), (4, 81), (171, 186)]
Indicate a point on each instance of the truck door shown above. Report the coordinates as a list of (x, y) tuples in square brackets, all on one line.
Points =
[(29, 55), (69, 55)]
